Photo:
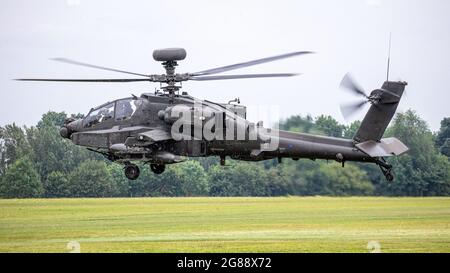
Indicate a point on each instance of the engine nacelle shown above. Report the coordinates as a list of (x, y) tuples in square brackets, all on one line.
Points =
[(171, 114), (190, 115)]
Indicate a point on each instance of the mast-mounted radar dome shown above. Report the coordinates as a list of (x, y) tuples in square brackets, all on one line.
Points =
[(169, 54)]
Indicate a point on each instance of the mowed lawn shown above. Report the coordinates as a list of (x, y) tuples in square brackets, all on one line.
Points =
[(282, 224)]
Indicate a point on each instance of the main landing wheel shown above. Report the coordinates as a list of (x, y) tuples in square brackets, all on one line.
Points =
[(131, 171), (157, 168)]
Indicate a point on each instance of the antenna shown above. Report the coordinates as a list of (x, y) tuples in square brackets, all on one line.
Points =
[(389, 58)]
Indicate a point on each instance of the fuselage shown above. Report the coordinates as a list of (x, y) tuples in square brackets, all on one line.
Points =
[(127, 130)]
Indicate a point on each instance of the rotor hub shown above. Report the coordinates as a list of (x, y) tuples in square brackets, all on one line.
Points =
[(169, 58)]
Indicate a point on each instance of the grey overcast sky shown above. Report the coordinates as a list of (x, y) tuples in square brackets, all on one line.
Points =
[(348, 36)]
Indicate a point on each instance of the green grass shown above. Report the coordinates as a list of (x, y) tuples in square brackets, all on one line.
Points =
[(285, 224)]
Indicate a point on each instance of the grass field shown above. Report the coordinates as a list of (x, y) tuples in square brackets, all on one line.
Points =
[(286, 224)]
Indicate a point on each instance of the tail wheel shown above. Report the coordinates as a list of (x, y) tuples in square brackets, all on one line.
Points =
[(132, 171), (157, 168), (389, 176), (385, 168), (388, 173)]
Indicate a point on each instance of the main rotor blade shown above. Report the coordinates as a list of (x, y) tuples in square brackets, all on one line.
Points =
[(247, 76), (349, 110), (85, 80), (64, 60), (250, 63), (348, 83)]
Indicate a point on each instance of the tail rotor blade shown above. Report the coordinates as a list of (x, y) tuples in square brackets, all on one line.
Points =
[(350, 84), (348, 110)]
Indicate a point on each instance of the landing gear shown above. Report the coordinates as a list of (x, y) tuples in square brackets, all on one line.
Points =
[(131, 171), (386, 169), (389, 176), (157, 168)]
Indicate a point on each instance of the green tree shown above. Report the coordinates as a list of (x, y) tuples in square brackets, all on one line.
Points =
[(150, 184), (444, 132), (350, 131), (13, 145), (51, 118), (21, 180), (445, 148), (122, 184), (280, 181), (183, 179), (298, 124), (422, 171), (51, 152), (4, 144), (207, 162), (332, 179), (193, 178), (143, 186), (329, 126), (56, 185), (238, 179), (167, 183), (443, 137), (91, 179), (289, 177)]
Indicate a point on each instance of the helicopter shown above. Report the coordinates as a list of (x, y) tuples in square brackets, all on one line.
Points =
[(168, 127)]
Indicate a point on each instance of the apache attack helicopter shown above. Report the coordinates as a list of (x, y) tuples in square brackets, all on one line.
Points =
[(166, 127)]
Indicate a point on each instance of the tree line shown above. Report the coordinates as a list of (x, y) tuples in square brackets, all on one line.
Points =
[(36, 162)]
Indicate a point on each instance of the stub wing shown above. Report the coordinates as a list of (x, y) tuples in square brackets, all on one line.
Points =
[(386, 147), (156, 135), (136, 144)]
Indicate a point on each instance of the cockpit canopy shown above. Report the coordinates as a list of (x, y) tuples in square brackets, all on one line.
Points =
[(119, 110)]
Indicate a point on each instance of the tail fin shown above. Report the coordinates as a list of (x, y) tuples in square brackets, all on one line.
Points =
[(381, 112)]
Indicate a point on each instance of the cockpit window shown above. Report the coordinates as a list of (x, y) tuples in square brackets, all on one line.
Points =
[(126, 108), (99, 115), (120, 110)]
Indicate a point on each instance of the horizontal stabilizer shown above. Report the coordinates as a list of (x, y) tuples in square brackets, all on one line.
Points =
[(386, 147)]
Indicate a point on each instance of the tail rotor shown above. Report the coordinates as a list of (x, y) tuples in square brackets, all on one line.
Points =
[(375, 97), (350, 109)]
